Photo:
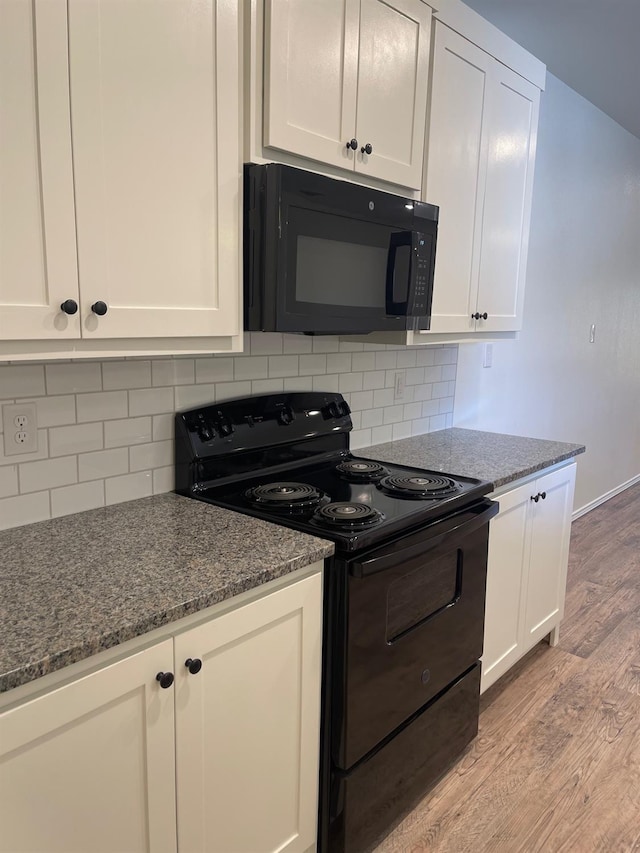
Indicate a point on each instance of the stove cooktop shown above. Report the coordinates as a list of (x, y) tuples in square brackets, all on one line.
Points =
[(352, 500)]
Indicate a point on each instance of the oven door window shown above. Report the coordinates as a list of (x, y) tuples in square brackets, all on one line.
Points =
[(337, 265), (422, 593)]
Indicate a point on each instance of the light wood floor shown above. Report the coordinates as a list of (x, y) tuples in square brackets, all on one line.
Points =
[(556, 765)]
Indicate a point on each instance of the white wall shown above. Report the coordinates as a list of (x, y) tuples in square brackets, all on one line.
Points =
[(106, 428), (584, 268)]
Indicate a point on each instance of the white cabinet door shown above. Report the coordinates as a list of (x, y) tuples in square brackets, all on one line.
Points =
[(455, 175), (393, 70), (506, 577), (513, 121), (549, 553), (311, 61), (91, 765), (248, 726), (37, 228), (526, 569), (154, 106)]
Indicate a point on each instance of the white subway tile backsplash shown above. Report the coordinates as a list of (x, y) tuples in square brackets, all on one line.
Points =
[(106, 428), (283, 365), (127, 431), (295, 344), (8, 481), (361, 361), (214, 369), (267, 386), (77, 498), (229, 390), (157, 454), (128, 487), (17, 380), (252, 367), (313, 365), (190, 396), (102, 406), (79, 438), (266, 344), (173, 371), (47, 474), (117, 375), (103, 463), (54, 411), (380, 434), (401, 430), (386, 360), (373, 379), (163, 427), (73, 378), (163, 480), (24, 509), (152, 401)]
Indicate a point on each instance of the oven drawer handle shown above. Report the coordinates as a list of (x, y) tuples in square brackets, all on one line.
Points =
[(365, 568)]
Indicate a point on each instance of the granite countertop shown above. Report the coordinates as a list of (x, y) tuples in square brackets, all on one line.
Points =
[(76, 585), (491, 456)]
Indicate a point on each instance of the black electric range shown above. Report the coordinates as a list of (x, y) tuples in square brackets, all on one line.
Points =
[(404, 593)]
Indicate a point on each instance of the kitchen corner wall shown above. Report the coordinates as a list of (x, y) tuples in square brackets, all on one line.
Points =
[(105, 429)]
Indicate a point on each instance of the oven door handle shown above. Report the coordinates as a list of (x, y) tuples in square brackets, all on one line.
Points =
[(396, 556)]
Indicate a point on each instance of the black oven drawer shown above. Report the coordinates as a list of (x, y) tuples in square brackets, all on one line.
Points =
[(413, 622), (380, 790)]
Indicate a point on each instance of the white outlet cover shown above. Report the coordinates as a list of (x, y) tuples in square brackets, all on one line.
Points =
[(22, 439)]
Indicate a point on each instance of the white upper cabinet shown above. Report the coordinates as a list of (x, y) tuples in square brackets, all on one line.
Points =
[(130, 110), (38, 269), (479, 170), (345, 70)]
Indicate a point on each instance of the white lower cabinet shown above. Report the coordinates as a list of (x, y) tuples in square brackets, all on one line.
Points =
[(225, 759), (527, 569)]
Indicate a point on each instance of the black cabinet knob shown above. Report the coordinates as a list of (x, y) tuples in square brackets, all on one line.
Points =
[(99, 308), (535, 498), (69, 306), (484, 316), (543, 495), (165, 679), (353, 144), (367, 149), (194, 665), (475, 316)]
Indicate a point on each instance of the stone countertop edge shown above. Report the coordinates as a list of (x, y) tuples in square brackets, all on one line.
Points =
[(74, 586), (496, 457)]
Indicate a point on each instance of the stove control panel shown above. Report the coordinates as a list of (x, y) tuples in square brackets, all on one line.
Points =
[(261, 421)]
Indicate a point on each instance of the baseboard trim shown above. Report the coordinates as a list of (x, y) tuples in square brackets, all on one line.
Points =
[(583, 510)]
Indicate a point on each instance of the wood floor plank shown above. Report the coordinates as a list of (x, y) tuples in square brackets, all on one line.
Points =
[(556, 765)]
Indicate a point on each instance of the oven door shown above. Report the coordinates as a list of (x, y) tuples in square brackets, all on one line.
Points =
[(412, 619)]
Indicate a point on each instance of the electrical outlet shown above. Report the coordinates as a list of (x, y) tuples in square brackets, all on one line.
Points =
[(20, 427), (398, 387)]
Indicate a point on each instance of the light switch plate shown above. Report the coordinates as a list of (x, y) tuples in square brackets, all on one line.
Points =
[(20, 428)]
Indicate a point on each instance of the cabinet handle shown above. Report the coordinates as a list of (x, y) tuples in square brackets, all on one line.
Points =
[(194, 665), (69, 306), (475, 316), (479, 316), (367, 149), (165, 679), (543, 495), (535, 498), (353, 144), (99, 308)]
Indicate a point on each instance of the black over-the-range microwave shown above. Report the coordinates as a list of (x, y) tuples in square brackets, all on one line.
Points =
[(324, 256)]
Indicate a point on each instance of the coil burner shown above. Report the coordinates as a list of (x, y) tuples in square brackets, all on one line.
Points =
[(287, 498), (361, 471), (426, 487), (348, 516)]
